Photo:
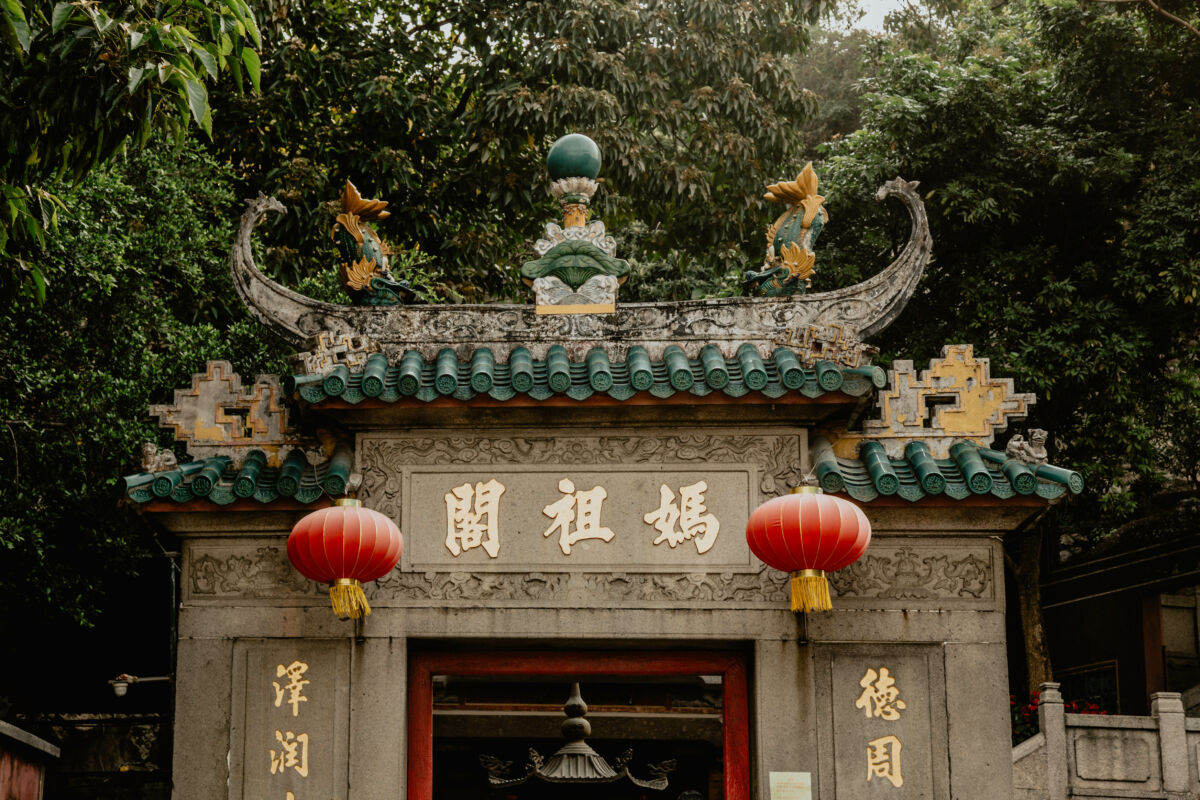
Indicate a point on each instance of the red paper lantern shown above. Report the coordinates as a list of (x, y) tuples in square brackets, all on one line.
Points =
[(345, 545), (808, 534)]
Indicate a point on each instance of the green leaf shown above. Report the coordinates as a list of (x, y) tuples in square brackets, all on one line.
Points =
[(208, 60), (197, 99), (253, 67), (39, 284), (15, 25), (245, 15), (62, 12), (136, 38), (135, 78)]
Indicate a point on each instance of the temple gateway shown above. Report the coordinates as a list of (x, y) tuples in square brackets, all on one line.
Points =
[(576, 611)]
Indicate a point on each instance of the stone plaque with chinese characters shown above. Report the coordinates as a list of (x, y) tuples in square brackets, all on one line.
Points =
[(293, 727), (882, 703), (598, 517)]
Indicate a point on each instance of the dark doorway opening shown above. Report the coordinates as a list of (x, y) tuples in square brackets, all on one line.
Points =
[(686, 707)]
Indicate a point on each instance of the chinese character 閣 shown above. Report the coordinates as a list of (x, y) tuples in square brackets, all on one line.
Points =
[(473, 517), (582, 508), (679, 523)]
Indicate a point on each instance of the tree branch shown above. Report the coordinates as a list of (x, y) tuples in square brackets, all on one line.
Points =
[(1162, 11)]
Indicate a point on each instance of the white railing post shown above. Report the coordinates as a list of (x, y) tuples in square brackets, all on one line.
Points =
[(1167, 710), (1052, 719)]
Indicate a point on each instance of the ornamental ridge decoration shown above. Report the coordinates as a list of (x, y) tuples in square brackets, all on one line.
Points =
[(219, 415), (865, 308)]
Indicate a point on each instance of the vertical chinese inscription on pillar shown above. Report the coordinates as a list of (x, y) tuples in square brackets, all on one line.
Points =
[(289, 751), (293, 688), (883, 759), (880, 699)]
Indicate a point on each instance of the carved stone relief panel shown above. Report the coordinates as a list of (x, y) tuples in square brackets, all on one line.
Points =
[(220, 573), (903, 572), (893, 574)]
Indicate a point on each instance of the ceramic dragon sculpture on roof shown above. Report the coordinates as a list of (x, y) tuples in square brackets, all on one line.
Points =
[(855, 313)]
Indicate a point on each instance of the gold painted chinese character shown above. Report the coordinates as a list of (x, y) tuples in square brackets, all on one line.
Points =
[(679, 523), (880, 697), (883, 760), (293, 753), (473, 517), (294, 687), (582, 508)]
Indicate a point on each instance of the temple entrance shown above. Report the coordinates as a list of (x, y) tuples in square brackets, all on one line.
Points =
[(641, 725)]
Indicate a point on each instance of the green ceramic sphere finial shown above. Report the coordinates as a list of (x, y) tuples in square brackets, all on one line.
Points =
[(573, 156)]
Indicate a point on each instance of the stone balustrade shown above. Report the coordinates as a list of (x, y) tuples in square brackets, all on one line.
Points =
[(1094, 756)]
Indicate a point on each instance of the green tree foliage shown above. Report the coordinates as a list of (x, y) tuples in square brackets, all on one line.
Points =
[(83, 78), (141, 297), (831, 69), (1057, 149), (447, 110)]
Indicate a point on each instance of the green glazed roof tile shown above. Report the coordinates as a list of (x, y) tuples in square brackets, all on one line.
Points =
[(259, 482), (875, 475), (447, 375)]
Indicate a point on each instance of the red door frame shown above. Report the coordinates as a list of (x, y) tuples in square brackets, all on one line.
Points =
[(731, 666)]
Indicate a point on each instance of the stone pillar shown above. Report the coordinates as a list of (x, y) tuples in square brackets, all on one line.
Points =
[(378, 716), (1167, 710), (1052, 719)]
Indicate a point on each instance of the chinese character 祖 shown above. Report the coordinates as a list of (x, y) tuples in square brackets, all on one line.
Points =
[(880, 697), (582, 508), (883, 760), (294, 687), (293, 753), (471, 513), (690, 516)]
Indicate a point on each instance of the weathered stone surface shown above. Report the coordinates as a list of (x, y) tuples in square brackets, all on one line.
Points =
[(284, 740), (1111, 756), (855, 730), (979, 720), (1128, 757), (203, 716), (909, 572)]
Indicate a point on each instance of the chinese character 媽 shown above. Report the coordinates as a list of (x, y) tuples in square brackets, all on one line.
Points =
[(473, 517), (678, 523), (582, 508), (880, 697), (293, 753), (294, 687), (883, 760)]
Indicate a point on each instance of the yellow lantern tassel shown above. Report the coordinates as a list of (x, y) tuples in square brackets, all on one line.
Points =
[(348, 599), (810, 591)]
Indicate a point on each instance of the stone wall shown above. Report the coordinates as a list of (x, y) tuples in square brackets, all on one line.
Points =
[(926, 604)]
